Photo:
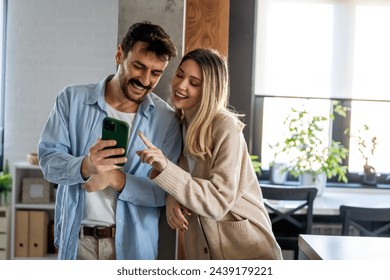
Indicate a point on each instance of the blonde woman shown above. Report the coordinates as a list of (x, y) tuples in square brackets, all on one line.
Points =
[(214, 197)]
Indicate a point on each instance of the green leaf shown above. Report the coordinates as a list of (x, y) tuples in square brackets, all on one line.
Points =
[(256, 163)]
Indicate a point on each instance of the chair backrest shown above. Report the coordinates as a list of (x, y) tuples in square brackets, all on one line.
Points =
[(368, 221), (305, 198)]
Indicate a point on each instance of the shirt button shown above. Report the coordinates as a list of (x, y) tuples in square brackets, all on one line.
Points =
[(206, 251)]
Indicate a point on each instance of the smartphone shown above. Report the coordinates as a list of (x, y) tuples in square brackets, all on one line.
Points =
[(114, 129)]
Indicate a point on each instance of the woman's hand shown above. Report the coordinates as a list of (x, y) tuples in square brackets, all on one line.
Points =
[(175, 214), (152, 155)]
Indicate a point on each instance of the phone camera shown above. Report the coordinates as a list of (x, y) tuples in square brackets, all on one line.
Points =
[(109, 125)]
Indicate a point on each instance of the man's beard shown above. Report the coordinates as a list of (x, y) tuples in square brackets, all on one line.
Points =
[(129, 95)]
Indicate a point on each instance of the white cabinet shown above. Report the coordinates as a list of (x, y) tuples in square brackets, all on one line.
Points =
[(32, 217)]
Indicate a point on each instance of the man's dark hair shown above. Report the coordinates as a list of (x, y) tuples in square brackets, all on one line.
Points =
[(157, 39)]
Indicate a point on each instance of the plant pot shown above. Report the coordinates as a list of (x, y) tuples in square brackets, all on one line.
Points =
[(370, 179), (314, 180), (278, 173)]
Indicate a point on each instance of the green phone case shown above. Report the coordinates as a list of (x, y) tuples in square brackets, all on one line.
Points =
[(114, 129)]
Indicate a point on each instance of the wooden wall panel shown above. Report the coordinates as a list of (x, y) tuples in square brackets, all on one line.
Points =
[(207, 25)]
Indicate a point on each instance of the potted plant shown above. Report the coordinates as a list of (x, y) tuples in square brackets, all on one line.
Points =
[(310, 157), (367, 145), (5, 183)]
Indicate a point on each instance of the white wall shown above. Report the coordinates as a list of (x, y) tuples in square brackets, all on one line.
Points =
[(50, 44)]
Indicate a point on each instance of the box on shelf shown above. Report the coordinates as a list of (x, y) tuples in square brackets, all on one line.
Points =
[(31, 233)]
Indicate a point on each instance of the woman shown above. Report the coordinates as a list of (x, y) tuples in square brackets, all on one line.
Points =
[(224, 216)]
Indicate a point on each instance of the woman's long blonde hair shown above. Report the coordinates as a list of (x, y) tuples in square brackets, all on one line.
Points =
[(215, 98)]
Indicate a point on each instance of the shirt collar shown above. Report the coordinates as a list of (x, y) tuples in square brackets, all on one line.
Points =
[(147, 105), (97, 95)]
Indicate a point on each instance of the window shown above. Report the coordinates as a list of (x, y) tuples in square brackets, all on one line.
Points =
[(294, 50), (311, 52)]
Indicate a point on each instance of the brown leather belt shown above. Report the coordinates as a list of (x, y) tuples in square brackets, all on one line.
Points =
[(99, 231)]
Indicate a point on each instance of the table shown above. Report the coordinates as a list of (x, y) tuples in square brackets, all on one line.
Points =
[(327, 247), (329, 202)]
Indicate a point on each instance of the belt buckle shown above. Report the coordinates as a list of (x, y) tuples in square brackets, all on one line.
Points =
[(95, 231)]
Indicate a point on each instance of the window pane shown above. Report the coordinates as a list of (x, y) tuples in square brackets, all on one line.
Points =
[(325, 49), (376, 115), (276, 111), (295, 50), (372, 55)]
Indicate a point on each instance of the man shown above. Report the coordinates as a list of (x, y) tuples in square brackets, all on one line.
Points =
[(104, 211)]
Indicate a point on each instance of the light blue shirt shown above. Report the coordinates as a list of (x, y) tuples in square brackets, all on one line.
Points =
[(74, 125)]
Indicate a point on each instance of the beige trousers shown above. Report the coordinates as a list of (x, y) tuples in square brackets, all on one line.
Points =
[(91, 248)]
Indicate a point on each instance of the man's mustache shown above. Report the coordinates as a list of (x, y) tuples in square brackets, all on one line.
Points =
[(139, 84)]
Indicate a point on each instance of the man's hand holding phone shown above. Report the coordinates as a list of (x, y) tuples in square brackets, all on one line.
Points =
[(102, 157), (109, 152)]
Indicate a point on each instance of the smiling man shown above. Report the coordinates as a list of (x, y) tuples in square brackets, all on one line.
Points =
[(103, 210)]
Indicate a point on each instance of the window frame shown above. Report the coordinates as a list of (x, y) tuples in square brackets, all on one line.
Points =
[(339, 125)]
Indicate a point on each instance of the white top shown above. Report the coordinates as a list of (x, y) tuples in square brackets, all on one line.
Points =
[(100, 206)]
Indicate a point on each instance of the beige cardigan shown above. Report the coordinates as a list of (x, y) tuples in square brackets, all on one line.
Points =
[(229, 219)]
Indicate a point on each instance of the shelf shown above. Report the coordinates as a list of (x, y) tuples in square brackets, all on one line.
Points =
[(37, 206), (46, 257), (30, 222), (26, 165)]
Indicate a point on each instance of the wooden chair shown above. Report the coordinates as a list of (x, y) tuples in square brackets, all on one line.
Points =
[(368, 221), (287, 225)]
